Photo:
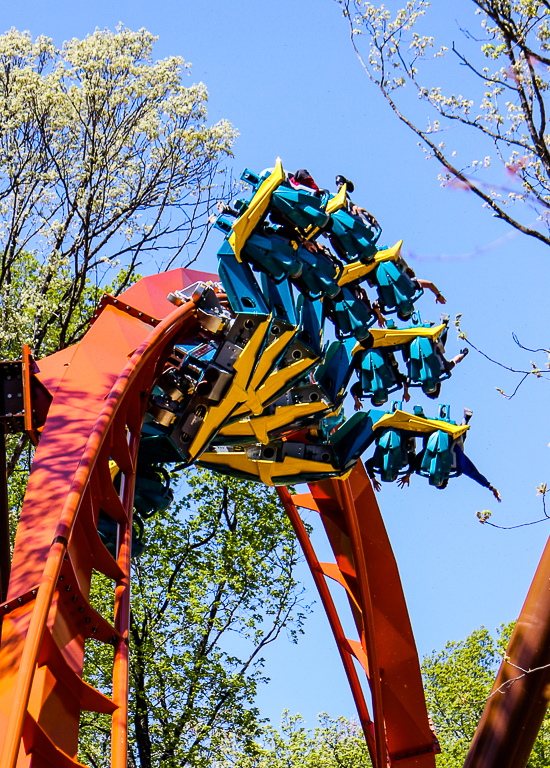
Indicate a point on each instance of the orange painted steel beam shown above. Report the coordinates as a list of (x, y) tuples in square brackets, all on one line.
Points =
[(368, 636), (100, 389), (365, 559), (5, 557), (119, 734), (513, 715), (334, 620)]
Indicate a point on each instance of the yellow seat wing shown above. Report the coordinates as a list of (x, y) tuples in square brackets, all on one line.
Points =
[(268, 472), (392, 337), (260, 427), (242, 228), (412, 423), (357, 270)]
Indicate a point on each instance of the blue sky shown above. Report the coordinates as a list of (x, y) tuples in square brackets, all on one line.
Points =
[(284, 74)]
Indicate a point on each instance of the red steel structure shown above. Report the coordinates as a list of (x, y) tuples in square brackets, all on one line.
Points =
[(99, 390)]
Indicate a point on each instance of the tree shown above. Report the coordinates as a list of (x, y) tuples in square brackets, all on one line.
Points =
[(504, 80), (335, 743), (105, 160), (214, 586), (457, 681)]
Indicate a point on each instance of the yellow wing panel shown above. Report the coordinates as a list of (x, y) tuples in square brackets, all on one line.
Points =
[(261, 426), (357, 270), (337, 202), (267, 471), (267, 360), (408, 421), (391, 337), (242, 228)]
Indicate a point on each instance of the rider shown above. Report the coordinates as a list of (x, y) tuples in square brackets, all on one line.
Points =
[(355, 210)]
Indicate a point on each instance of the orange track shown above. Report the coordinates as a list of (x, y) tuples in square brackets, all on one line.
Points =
[(366, 568), (100, 389)]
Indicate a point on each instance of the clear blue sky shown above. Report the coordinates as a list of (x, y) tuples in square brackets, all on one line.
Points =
[(284, 74)]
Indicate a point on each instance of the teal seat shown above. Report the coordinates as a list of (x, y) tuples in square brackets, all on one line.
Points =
[(108, 533), (351, 238), (377, 376), (425, 366), (350, 315), (354, 437), (391, 455), (396, 291), (437, 461), (272, 255), (280, 300), (300, 208), (319, 277), (152, 490)]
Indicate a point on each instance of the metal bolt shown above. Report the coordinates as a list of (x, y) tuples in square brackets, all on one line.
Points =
[(6, 607), (81, 609), (88, 619), (68, 588), (75, 598), (61, 578)]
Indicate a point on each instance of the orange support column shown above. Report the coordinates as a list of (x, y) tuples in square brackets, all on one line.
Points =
[(366, 567), (513, 715)]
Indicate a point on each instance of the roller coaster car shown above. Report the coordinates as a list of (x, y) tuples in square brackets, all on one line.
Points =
[(278, 463), (396, 291), (298, 358), (377, 367), (284, 417), (223, 386), (252, 212), (356, 271), (351, 238), (358, 433), (393, 338), (351, 316), (305, 403)]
